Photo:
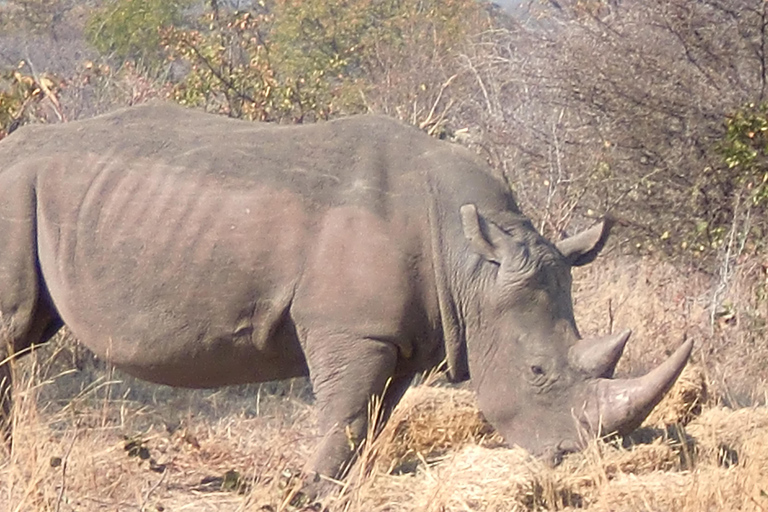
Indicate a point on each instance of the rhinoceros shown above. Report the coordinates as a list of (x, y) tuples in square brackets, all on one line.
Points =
[(199, 251)]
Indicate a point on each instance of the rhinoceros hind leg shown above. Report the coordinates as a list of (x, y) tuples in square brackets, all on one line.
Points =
[(44, 324), (345, 372)]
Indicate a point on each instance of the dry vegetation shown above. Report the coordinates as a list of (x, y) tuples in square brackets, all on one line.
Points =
[(106, 444)]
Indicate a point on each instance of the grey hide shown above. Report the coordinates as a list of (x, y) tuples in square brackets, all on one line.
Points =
[(199, 251)]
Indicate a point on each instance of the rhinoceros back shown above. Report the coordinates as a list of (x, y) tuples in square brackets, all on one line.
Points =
[(157, 224)]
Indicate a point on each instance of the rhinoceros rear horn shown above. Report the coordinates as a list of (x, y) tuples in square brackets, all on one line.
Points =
[(598, 357), (583, 248), (622, 404)]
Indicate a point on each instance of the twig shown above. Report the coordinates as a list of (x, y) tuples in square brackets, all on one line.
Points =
[(610, 316), (152, 490), (480, 83), (430, 116), (761, 52), (726, 270), (229, 84), (60, 497), (557, 164), (48, 93), (118, 505)]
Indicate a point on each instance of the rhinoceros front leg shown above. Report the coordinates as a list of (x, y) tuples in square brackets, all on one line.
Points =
[(346, 372)]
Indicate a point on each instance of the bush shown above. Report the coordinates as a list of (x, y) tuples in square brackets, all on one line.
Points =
[(21, 94), (298, 61), (745, 151), (130, 29)]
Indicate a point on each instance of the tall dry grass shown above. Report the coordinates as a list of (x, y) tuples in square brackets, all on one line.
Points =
[(718, 461), (109, 443), (100, 451), (663, 303)]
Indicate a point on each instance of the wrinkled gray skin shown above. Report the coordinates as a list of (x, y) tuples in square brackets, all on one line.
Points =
[(194, 250)]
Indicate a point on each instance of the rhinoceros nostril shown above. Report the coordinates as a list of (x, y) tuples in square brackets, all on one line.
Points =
[(568, 446)]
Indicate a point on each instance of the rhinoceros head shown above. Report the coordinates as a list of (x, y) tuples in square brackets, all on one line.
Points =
[(538, 383)]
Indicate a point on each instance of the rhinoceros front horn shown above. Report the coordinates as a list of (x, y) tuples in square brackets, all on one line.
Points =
[(621, 405)]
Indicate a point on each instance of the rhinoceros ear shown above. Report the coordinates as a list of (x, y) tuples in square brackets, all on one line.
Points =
[(583, 248), (478, 238)]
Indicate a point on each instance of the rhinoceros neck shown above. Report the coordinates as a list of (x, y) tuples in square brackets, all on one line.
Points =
[(461, 277)]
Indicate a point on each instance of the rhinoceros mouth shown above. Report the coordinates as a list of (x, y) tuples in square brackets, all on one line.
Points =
[(621, 405), (553, 456)]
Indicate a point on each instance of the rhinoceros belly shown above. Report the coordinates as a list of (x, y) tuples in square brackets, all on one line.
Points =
[(173, 277)]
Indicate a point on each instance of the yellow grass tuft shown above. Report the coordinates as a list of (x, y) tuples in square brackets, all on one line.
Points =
[(731, 437), (427, 423)]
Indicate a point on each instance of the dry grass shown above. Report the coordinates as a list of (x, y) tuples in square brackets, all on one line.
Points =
[(427, 424), (109, 446), (114, 454), (663, 303), (718, 462), (437, 454)]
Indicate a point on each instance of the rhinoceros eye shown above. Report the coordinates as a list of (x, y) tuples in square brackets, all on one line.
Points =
[(538, 377)]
